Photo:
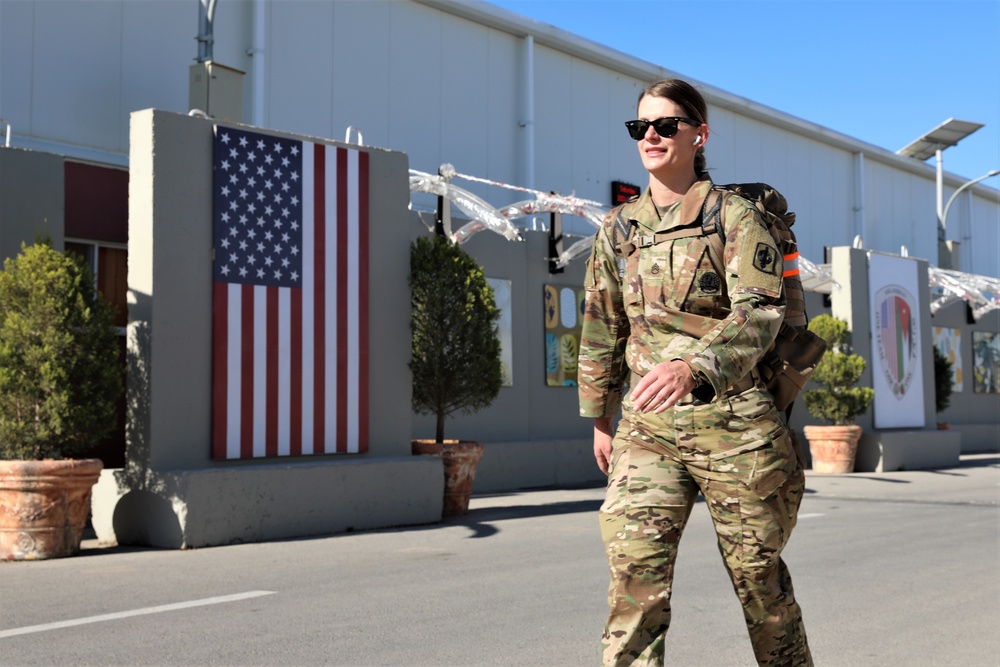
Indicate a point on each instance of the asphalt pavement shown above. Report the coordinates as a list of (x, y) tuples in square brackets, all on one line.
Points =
[(898, 568)]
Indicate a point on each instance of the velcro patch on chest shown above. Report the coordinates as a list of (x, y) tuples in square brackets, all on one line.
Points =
[(708, 282)]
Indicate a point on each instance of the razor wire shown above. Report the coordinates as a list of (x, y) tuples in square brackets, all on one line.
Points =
[(982, 293)]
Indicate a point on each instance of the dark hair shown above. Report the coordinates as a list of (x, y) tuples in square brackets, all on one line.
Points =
[(684, 94)]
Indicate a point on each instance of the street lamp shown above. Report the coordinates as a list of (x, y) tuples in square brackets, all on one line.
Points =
[(951, 200), (948, 133)]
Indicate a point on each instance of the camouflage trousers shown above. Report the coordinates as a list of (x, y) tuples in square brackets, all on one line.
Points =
[(738, 454)]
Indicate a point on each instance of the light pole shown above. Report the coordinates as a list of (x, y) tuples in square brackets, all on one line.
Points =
[(948, 133), (951, 200)]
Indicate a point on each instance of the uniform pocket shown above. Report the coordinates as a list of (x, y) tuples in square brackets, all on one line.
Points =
[(763, 457), (653, 267), (754, 438), (774, 465), (730, 427)]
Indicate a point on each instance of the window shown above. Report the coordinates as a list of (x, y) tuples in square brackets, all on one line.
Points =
[(110, 265)]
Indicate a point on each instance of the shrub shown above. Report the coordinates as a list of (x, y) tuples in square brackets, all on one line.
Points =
[(838, 401), (59, 373)]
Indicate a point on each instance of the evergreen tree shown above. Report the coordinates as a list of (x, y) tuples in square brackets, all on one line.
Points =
[(455, 360)]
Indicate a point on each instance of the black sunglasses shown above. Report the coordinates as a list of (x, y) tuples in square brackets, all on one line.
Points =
[(665, 127)]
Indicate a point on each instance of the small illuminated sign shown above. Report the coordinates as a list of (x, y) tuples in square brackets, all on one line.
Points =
[(621, 192)]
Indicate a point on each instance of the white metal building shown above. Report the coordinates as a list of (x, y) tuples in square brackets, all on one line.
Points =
[(499, 96)]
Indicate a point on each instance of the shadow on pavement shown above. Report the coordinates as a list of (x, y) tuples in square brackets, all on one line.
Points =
[(527, 511)]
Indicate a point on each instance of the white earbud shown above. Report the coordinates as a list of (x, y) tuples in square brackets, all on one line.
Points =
[(697, 140)]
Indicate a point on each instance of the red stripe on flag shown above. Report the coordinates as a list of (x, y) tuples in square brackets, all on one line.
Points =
[(363, 302), (319, 300), (220, 349)]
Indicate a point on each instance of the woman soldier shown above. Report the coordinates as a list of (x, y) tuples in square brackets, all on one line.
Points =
[(686, 336)]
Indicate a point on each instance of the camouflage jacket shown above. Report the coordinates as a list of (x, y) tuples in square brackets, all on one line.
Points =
[(670, 301)]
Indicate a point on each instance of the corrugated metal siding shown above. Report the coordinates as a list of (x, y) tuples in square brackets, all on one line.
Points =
[(449, 88)]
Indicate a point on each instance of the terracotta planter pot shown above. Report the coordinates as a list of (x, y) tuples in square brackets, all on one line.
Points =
[(833, 448), (460, 458), (44, 507)]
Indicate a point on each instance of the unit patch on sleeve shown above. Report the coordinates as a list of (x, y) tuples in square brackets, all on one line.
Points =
[(763, 259), (759, 262)]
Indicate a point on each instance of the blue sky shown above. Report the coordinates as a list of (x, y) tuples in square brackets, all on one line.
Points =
[(884, 72)]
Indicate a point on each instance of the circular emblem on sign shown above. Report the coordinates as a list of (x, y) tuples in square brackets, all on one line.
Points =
[(896, 336), (709, 282)]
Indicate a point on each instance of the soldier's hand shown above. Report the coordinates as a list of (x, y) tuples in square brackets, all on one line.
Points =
[(602, 443), (662, 387)]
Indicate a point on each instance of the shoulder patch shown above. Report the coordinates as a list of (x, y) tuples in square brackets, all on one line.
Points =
[(764, 259), (759, 261)]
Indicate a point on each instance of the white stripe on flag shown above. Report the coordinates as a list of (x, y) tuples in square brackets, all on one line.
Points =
[(353, 314), (332, 206), (284, 371), (308, 295), (233, 385)]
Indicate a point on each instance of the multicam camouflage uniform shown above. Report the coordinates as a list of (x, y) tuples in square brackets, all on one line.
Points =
[(729, 443)]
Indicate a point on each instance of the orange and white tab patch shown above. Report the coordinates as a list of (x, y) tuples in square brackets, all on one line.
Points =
[(791, 265)]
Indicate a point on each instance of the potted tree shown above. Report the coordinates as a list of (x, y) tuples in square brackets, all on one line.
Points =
[(943, 374), (834, 446), (59, 384), (455, 362)]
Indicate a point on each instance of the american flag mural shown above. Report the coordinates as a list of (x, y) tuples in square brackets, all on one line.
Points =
[(290, 297)]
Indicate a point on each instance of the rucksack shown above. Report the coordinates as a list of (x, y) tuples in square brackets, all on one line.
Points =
[(787, 365)]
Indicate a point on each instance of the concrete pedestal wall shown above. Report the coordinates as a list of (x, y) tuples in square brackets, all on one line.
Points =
[(885, 451), (193, 508), (171, 493)]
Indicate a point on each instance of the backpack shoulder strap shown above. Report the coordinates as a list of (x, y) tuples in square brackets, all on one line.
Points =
[(621, 233), (712, 229), (709, 224), (632, 240)]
